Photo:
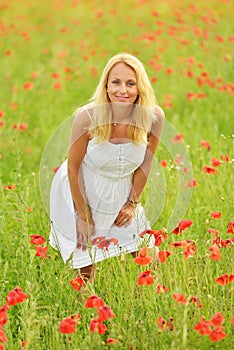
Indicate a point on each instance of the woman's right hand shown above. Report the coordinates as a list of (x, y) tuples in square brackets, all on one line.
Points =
[(85, 230)]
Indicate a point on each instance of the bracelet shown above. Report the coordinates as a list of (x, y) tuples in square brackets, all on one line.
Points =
[(133, 203)]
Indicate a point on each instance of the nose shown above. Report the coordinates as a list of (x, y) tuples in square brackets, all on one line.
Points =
[(123, 89)]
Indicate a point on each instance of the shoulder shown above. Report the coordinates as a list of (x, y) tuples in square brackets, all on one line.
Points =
[(159, 112), (158, 122), (83, 117)]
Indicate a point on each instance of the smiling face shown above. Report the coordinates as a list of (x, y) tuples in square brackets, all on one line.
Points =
[(122, 84)]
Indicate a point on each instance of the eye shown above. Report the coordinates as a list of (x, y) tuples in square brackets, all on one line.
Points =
[(131, 83), (115, 82)]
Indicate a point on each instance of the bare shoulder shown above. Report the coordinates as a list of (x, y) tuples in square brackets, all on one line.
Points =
[(159, 111)]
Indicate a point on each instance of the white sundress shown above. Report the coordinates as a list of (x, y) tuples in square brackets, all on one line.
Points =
[(107, 170)]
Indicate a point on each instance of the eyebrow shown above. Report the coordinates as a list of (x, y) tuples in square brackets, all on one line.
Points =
[(131, 79)]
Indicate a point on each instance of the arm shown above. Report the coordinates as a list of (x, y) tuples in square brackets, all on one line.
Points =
[(78, 146), (141, 174)]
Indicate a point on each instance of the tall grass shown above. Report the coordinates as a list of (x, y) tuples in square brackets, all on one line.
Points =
[(74, 39)]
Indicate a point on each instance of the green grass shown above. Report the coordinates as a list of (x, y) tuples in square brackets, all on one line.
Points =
[(49, 37)]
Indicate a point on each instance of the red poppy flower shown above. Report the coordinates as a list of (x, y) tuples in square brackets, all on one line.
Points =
[(9, 187), (163, 324), (111, 341), (56, 169), (37, 239), (217, 320), (3, 338), (209, 170), (226, 158), (232, 320), (159, 237), (97, 240), (96, 325), (189, 251), (163, 255), (143, 259), (230, 227), (15, 296), (203, 327), (163, 163), (40, 251), (192, 183), (180, 298), (77, 283), (105, 313), (23, 127), (145, 278), (225, 243), (217, 334), (28, 86), (68, 324), (161, 288), (94, 301), (205, 144), (216, 214), (215, 255), (178, 138), (213, 231), (182, 225), (3, 314), (194, 300), (216, 162), (225, 279), (105, 243)]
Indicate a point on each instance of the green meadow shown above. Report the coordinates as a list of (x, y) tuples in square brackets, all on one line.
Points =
[(52, 56)]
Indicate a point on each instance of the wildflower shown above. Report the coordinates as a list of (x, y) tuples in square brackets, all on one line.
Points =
[(209, 170), (217, 334), (105, 243), (3, 314), (182, 225), (68, 324), (163, 255), (56, 169), (178, 138), (161, 288), (94, 301), (105, 313), (216, 162), (28, 86), (213, 231), (215, 255), (180, 298), (232, 320), (216, 214), (23, 127), (77, 283), (192, 183), (37, 239), (3, 338), (15, 296), (217, 320), (96, 325), (143, 259), (9, 187), (230, 227), (225, 279), (163, 324), (205, 144), (203, 327), (111, 341), (194, 300), (189, 251), (225, 157), (163, 163), (145, 278), (40, 251)]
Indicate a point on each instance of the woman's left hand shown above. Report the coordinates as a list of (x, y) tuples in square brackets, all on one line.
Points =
[(125, 216)]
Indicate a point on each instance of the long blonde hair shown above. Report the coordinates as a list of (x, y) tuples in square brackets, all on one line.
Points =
[(142, 116)]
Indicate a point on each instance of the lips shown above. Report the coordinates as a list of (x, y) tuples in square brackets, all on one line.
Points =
[(122, 98)]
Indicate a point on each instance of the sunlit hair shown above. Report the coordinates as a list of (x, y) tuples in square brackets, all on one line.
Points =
[(141, 118)]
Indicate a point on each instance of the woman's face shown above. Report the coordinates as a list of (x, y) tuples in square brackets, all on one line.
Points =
[(122, 84)]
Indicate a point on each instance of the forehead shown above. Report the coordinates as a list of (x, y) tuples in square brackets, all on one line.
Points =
[(122, 70)]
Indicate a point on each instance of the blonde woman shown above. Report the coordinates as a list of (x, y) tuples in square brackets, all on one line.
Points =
[(95, 204)]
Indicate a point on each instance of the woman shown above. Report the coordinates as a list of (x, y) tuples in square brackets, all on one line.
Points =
[(95, 195)]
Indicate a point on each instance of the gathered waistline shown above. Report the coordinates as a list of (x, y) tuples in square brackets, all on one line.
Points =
[(101, 175)]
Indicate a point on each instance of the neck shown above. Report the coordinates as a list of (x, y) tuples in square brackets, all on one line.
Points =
[(121, 113)]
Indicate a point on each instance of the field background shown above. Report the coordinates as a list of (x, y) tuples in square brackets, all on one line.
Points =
[(52, 55)]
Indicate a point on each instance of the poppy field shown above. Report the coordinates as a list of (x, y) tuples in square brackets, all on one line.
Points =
[(52, 56)]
